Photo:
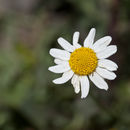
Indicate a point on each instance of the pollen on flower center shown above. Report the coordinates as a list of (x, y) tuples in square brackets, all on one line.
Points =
[(83, 61)]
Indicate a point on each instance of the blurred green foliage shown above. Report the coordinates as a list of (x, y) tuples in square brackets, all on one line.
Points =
[(28, 98)]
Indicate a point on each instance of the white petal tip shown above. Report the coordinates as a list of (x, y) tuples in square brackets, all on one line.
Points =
[(110, 38), (77, 33), (52, 69), (82, 97), (116, 47), (116, 69), (114, 76), (93, 29), (106, 89), (49, 68), (77, 91), (54, 81), (59, 39), (116, 66), (51, 52)]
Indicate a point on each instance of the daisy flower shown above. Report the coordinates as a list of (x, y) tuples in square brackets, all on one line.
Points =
[(84, 63)]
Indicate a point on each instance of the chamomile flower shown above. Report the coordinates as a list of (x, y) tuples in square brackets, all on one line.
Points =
[(84, 63)]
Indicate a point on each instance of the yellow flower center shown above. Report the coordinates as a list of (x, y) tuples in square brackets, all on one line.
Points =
[(83, 61)]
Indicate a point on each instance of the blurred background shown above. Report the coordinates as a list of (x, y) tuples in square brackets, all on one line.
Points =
[(28, 98)]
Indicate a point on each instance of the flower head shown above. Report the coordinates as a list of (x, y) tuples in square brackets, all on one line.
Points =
[(83, 63)]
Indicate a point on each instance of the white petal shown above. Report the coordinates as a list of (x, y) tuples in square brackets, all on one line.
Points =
[(98, 81), (84, 86), (59, 68), (60, 54), (58, 61), (75, 83), (110, 50), (65, 77), (88, 42), (105, 73), (66, 45), (108, 64), (102, 43), (74, 78), (77, 87), (76, 39)]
